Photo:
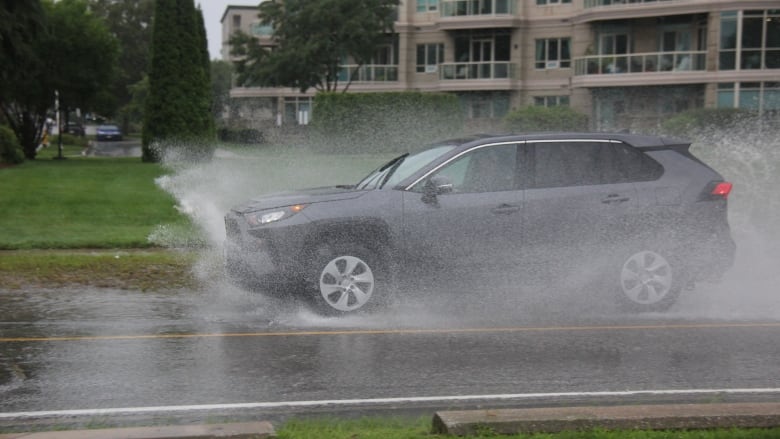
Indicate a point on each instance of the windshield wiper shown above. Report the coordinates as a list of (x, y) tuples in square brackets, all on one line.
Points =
[(377, 174)]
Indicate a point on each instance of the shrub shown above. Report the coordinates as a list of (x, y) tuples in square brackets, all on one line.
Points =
[(690, 122), (70, 139), (373, 122), (538, 118), (240, 135), (10, 150)]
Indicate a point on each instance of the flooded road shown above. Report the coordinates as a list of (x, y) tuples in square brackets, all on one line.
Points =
[(221, 348)]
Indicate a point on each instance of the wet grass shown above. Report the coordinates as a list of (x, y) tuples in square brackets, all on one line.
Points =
[(136, 270), (83, 203), (409, 428)]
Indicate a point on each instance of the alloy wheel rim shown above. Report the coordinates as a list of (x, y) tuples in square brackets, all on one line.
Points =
[(646, 278), (346, 283)]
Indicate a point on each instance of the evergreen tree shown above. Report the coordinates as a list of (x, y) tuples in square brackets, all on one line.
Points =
[(178, 108)]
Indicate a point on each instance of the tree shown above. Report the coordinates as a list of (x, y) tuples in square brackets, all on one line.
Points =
[(221, 80), (313, 38), (24, 92), (131, 24), (178, 107), (83, 55), (72, 53)]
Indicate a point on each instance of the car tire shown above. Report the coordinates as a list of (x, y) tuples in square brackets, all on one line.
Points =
[(649, 281), (345, 279)]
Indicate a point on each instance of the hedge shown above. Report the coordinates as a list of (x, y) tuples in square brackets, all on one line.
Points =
[(383, 122), (539, 118), (10, 149)]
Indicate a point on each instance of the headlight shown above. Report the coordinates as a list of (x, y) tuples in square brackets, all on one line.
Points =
[(264, 217)]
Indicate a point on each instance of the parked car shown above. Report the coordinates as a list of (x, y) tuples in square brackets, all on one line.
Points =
[(108, 132), (639, 213), (75, 128)]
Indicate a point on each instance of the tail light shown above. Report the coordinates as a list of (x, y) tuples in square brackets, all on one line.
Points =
[(722, 189), (716, 190)]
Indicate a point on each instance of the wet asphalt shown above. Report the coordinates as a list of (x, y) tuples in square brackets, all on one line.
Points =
[(71, 349)]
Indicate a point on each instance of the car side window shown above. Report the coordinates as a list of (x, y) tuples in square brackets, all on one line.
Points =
[(636, 165), (488, 169), (564, 164)]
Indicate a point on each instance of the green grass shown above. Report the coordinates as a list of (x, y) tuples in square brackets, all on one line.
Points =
[(83, 203), (420, 428), (136, 270)]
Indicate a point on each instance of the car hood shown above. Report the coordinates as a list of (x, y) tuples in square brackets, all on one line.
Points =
[(305, 196)]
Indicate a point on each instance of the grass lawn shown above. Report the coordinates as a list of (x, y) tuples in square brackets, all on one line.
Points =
[(83, 202), (402, 428)]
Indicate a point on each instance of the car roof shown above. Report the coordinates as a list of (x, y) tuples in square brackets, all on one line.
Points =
[(635, 140)]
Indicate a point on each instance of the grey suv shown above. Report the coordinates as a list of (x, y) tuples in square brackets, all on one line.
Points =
[(640, 213)]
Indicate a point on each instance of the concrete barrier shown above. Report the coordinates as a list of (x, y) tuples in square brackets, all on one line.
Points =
[(633, 417)]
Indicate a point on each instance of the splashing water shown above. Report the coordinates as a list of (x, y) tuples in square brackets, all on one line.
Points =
[(748, 156)]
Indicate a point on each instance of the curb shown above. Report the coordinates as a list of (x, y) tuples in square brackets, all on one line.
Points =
[(246, 430), (643, 417)]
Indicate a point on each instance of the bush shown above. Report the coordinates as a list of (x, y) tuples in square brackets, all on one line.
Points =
[(70, 139), (382, 122), (240, 135), (690, 122), (10, 150), (538, 118)]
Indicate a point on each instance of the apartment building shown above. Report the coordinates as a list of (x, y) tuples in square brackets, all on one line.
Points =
[(628, 64)]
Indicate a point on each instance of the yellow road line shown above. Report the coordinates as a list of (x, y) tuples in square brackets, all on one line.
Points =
[(396, 332)]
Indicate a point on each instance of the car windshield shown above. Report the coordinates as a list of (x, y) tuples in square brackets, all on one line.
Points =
[(401, 167)]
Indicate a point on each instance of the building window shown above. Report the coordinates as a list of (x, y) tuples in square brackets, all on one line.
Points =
[(551, 2), (553, 53), (261, 30), (485, 105), (429, 56), (551, 101), (427, 5), (297, 110), (749, 40), (236, 22), (759, 96)]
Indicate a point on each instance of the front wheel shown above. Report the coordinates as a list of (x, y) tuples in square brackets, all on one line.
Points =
[(346, 279), (649, 281)]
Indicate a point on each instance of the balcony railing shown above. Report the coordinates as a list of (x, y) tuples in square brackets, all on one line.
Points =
[(368, 73), (641, 63), (461, 8), (597, 3), (476, 70)]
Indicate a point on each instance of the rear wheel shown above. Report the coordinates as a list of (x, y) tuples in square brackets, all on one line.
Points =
[(346, 279), (649, 281)]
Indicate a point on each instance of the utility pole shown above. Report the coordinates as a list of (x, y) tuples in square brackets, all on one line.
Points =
[(59, 125)]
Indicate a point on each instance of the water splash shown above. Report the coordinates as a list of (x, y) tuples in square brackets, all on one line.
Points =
[(747, 155)]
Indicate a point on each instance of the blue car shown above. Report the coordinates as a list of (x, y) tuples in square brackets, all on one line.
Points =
[(108, 132)]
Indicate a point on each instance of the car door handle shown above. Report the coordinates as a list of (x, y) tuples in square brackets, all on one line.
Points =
[(505, 209), (614, 199)]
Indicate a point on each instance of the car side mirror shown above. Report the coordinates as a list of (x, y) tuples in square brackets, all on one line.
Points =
[(437, 185)]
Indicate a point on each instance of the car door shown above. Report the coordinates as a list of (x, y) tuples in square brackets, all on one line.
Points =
[(474, 228), (578, 205)]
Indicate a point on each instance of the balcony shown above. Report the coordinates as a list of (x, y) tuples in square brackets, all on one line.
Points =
[(599, 3), (651, 62), (486, 70), (470, 8), (368, 73)]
